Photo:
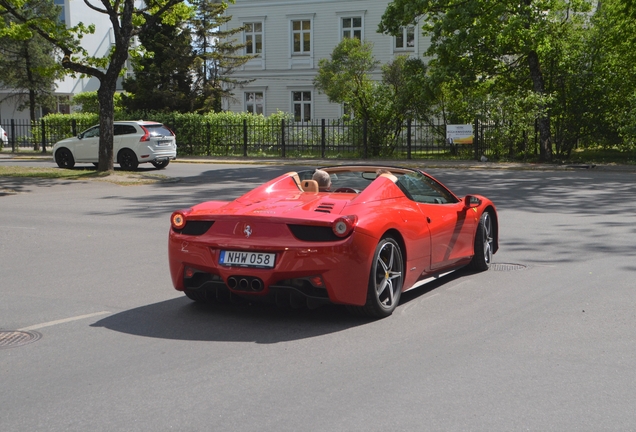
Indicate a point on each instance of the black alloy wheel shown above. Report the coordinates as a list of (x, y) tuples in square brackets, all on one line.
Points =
[(127, 160), (64, 158), (484, 244), (386, 279), (161, 164)]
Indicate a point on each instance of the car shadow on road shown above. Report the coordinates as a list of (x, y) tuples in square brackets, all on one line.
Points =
[(182, 319), (264, 323)]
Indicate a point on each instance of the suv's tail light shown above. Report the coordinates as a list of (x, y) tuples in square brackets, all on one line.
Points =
[(146, 136), (343, 226)]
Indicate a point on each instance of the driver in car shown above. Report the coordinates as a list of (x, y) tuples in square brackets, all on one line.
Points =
[(323, 179)]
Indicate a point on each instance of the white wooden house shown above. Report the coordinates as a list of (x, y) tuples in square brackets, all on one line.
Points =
[(290, 37)]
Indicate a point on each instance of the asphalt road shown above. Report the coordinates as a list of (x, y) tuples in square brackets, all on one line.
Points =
[(545, 341)]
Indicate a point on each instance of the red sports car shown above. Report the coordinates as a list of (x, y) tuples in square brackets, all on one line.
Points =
[(373, 233)]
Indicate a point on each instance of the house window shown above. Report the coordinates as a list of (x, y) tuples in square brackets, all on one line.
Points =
[(254, 102), (302, 105), (406, 39), (301, 36), (347, 111), (253, 38), (61, 16), (63, 104), (352, 28)]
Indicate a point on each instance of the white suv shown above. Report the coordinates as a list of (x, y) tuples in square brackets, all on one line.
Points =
[(134, 142)]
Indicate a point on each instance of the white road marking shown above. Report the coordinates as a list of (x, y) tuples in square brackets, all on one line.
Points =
[(62, 321), (17, 227)]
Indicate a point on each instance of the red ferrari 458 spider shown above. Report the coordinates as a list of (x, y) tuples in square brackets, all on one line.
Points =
[(361, 241)]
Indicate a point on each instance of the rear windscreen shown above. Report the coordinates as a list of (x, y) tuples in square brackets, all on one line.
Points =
[(158, 130)]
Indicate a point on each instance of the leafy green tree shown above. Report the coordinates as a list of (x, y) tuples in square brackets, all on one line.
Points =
[(127, 18), (384, 105), (216, 55), (162, 80), (186, 66), (508, 41), (611, 73), (27, 66), (87, 103), (345, 77)]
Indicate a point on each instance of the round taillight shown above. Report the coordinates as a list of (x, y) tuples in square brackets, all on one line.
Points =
[(343, 226), (178, 220)]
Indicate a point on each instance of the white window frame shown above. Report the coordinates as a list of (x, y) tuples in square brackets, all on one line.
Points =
[(346, 110), (303, 103), (404, 38), (254, 33), (302, 32), (303, 59), (351, 15), (254, 92), (257, 62), (351, 31), (63, 16)]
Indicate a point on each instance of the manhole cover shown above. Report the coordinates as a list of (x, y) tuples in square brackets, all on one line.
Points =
[(11, 339), (506, 267)]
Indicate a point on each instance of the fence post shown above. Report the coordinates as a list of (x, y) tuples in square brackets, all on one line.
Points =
[(208, 138), (322, 139), (244, 137), (12, 128), (43, 135), (408, 139), (364, 139), (536, 136), (282, 138), (74, 127), (476, 139)]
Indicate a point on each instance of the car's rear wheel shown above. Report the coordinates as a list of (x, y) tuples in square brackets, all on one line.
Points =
[(484, 244), (64, 158), (385, 280), (161, 165), (127, 160)]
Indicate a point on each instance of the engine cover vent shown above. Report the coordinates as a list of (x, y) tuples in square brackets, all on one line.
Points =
[(325, 207)]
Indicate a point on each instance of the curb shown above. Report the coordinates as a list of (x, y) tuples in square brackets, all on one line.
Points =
[(423, 163)]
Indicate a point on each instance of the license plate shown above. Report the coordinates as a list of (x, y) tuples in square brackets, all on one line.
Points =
[(247, 259), (163, 142)]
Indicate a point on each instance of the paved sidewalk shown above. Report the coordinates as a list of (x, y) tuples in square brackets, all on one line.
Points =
[(415, 163)]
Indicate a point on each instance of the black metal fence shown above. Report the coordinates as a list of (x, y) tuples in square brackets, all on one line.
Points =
[(38, 136), (278, 138)]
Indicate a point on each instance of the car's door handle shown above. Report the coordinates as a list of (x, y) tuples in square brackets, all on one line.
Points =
[(428, 219)]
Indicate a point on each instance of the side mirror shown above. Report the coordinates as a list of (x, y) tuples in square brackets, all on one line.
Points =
[(80, 136), (471, 201)]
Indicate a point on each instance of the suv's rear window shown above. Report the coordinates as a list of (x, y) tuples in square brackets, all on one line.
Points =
[(124, 129), (158, 129)]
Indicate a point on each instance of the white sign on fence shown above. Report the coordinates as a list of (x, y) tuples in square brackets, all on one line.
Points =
[(459, 134)]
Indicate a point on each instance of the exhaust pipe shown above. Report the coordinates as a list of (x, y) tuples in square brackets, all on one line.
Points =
[(232, 282), (256, 284), (243, 284)]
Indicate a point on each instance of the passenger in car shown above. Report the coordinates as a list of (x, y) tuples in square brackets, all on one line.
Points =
[(323, 179)]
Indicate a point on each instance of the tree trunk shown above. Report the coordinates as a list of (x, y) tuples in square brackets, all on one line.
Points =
[(122, 28), (105, 96), (31, 81), (543, 122)]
